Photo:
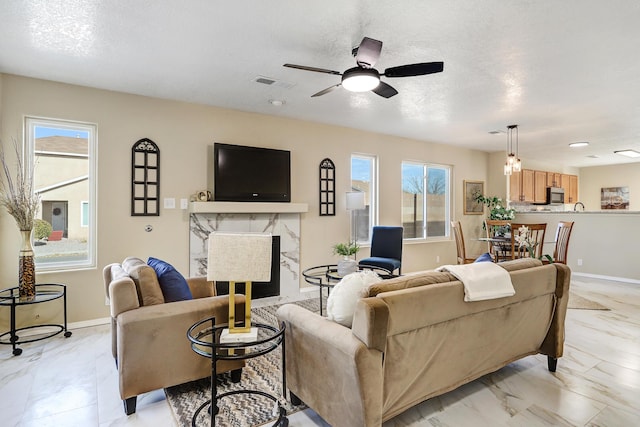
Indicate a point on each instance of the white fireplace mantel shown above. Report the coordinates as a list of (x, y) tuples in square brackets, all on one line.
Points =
[(247, 207)]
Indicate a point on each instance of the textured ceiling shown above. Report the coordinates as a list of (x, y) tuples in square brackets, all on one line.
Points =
[(565, 71)]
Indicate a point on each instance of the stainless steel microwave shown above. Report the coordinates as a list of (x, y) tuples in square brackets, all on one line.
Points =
[(555, 196)]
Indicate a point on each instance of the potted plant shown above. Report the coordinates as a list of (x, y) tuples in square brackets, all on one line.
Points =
[(41, 230), (346, 265), (22, 202)]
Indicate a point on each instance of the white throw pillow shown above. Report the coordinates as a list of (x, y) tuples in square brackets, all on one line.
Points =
[(343, 297)]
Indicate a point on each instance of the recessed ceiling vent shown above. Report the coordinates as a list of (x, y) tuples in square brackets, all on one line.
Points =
[(273, 82)]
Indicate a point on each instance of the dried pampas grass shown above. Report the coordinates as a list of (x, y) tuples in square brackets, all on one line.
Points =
[(18, 195)]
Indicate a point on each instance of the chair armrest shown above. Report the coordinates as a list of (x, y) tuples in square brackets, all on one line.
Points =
[(322, 357), (200, 288), (153, 349), (122, 296)]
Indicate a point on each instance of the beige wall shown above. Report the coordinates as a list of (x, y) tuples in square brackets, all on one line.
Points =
[(604, 242), (183, 131), (594, 178)]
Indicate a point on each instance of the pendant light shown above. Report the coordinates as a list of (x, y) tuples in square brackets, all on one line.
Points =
[(513, 163)]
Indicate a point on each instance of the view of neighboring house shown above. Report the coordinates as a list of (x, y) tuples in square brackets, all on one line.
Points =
[(61, 174)]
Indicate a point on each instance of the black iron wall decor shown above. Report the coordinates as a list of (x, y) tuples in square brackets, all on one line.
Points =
[(145, 178), (327, 188)]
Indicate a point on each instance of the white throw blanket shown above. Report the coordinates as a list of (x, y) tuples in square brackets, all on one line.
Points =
[(482, 280)]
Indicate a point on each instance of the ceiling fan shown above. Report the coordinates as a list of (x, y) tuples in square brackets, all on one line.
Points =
[(364, 77)]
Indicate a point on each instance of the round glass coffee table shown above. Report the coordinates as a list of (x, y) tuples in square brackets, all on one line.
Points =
[(326, 276)]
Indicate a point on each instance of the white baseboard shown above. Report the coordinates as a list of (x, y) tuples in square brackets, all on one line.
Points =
[(612, 278), (89, 323)]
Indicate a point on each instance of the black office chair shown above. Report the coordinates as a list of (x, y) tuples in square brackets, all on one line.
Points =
[(386, 249)]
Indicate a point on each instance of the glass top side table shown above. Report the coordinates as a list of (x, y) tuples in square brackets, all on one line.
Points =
[(45, 292), (205, 341)]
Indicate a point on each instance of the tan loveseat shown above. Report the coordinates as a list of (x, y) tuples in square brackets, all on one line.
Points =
[(415, 338), (149, 336)]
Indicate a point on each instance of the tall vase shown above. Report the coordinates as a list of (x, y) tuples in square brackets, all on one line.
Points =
[(27, 280)]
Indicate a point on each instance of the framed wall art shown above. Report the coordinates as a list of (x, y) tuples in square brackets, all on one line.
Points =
[(614, 198), (471, 206)]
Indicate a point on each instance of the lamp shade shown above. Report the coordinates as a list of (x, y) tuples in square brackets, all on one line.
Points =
[(355, 200), (239, 257)]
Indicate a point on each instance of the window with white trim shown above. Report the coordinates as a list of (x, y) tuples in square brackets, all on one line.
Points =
[(426, 196), (63, 157), (364, 178)]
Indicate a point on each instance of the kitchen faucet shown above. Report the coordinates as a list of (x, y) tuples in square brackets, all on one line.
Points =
[(575, 207)]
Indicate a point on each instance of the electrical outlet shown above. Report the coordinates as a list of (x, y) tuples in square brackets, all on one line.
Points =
[(437, 258), (579, 261), (184, 204)]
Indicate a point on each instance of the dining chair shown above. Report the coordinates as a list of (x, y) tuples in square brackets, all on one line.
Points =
[(497, 228), (386, 248), (536, 237), (563, 232), (462, 253)]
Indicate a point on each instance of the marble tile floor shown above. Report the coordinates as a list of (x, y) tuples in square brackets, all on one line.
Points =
[(73, 382)]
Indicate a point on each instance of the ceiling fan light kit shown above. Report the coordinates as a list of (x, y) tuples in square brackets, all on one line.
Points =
[(365, 78), (360, 79)]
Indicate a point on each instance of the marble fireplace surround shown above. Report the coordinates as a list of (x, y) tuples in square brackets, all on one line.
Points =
[(279, 219)]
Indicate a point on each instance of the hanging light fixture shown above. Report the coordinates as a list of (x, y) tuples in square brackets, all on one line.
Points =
[(513, 163)]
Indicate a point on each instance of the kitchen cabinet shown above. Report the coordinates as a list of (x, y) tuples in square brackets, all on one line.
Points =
[(522, 186), (570, 185), (540, 187), (553, 179), (515, 186)]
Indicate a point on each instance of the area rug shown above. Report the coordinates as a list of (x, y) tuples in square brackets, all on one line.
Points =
[(260, 373), (581, 303)]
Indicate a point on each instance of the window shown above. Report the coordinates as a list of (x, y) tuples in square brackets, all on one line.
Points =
[(364, 178), (63, 155), (425, 200), (84, 214)]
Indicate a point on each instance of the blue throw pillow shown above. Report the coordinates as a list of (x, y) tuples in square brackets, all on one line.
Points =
[(173, 285), (485, 257)]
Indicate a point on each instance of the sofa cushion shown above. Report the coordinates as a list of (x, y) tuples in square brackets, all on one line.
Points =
[(341, 303), (173, 285), (410, 280), (147, 285)]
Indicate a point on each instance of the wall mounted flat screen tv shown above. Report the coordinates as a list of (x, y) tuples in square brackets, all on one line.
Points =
[(251, 174)]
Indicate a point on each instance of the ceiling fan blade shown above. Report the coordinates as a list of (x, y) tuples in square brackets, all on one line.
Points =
[(325, 91), (317, 70), (414, 69), (368, 52), (384, 90)]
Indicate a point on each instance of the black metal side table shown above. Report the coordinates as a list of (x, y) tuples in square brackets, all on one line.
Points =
[(205, 341), (44, 293), (326, 276)]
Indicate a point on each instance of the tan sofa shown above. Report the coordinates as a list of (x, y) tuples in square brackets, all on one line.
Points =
[(149, 336), (414, 338)]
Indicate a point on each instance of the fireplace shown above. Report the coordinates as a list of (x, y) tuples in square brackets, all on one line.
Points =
[(260, 289), (207, 217)]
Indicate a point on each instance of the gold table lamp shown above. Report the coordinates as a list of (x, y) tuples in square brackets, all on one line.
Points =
[(239, 257)]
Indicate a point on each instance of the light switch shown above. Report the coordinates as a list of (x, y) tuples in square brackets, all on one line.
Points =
[(184, 204), (170, 203)]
